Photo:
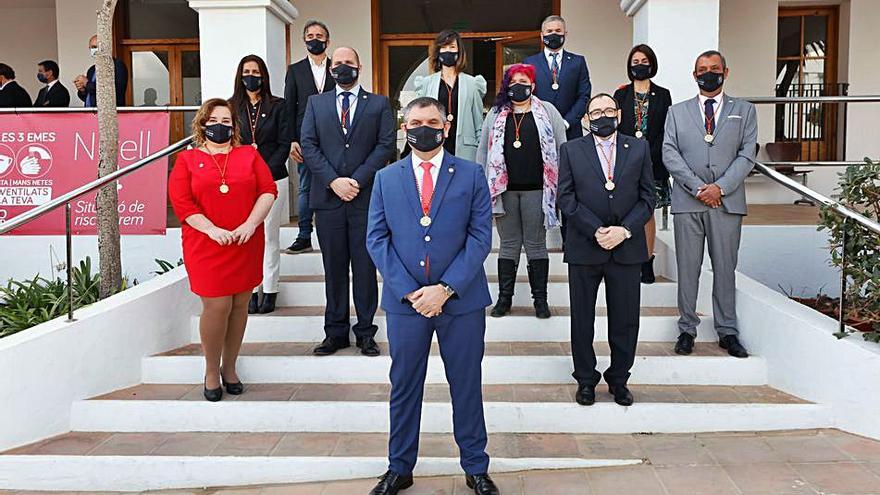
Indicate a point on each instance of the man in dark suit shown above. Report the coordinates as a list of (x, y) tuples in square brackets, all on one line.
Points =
[(12, 95), (86, 85), (430, 244), (606, 187), (562, 77), (309, 76), (54, 94), (347, 136)]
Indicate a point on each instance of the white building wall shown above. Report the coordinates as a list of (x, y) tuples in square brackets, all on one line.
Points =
[(77, 22), (863, 137), (27, 36), (601, 32)]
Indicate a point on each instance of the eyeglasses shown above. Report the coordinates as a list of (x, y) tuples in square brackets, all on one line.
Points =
[(598, 113)]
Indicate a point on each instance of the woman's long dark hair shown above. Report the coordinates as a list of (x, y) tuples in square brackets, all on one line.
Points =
[(501, 99), (239, 95)]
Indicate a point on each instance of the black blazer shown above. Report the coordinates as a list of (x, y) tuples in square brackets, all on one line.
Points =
[(273, 136), (659, 101), (14, 96), (330, 154), (58, 96), (299, 84), (589, 206), (121, 80)]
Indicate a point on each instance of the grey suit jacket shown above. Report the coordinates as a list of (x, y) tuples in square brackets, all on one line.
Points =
[(693, 163)]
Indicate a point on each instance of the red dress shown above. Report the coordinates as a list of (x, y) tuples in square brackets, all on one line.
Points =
[(194, 187)]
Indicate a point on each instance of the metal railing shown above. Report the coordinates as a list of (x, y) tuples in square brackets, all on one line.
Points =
[(166, 108), (65, 199), (833, 206)]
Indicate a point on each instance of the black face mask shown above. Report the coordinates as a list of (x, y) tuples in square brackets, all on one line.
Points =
[(603, 126), (449, 59), (554, 41), (316, 46), (640, 72), (344, 75), (424, 138), (218, 133), (710, 81), (251, 82), (519, 92)]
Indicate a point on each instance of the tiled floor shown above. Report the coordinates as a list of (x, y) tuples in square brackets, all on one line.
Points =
[(782, 215), (811, 462)]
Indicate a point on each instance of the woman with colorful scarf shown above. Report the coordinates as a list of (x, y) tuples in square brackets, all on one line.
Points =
[(519, 150)]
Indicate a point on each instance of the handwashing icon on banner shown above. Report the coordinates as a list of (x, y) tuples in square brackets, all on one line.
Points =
[(36, 162)]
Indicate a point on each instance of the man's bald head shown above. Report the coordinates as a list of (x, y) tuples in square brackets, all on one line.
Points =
[(345, 55)]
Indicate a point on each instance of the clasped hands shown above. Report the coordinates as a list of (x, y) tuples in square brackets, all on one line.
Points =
[(428, 301), (710, 195), (239, 236), (346, 188), (610, 237)]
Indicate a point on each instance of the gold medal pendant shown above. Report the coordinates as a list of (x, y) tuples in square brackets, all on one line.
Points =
[(609, 185), (709, 138), (425, 221), (517, 144), (450, 117), (555, 86), (224, 188), (639, 134)]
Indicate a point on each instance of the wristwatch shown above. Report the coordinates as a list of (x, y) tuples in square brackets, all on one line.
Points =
[(627, 232), (449, 290)]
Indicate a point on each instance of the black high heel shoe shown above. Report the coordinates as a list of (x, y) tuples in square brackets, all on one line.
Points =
[(214, 394), (254, 304), (232, 388)]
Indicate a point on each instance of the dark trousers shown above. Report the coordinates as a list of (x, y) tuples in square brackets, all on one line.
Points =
[(461, 348), (622, 293), (342, 234), (305, 211)]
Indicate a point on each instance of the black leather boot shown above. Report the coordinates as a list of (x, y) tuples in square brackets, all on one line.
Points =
[(268, 304), (506, 283), (254, 304), (539, 272)]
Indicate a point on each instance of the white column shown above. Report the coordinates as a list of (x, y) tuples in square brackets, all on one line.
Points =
[(231, 29), (861, 125), (678, 31)]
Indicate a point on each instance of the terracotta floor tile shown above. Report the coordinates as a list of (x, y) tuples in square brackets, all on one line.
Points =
[(544, 393), (247, 444), (190, 444), (768, 479), (704, 394), (767, 395), (859, 448), (656, 393), (74, 443), (674, 450), (508, 484), (267, 391), (306, 444), (536, 349), (609, 447), (438, 445), (781, 215), (350, 487), (556, 483), (308, 489), (840, 478), (432, 486), (635, 480), (503, 445), (547, 445), (130, 444), (741, 450), (148, 392), (696, 480), (362, 445), (437, 393), (815, 448)]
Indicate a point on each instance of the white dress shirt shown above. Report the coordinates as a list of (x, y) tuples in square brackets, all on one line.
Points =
[(353, 101), (436, 163), (50, 84), (719, 101), (611, 153), (548, 55), (319, 72)]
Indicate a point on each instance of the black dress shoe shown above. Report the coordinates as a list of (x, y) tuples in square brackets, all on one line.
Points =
[(254, 304), (648, 276), (299, 246), (268, 303), (621, 394), (685, 344), (391, 483), (213, 394), (330, 346), (231, 388), (368, 347), (586, 395), (733, 347), (482, 484)]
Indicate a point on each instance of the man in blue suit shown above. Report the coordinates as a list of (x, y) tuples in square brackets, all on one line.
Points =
[(347, 135), (562, 77), (430, 243)]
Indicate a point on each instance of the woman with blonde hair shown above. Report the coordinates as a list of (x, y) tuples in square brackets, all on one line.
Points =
[(221, 191)]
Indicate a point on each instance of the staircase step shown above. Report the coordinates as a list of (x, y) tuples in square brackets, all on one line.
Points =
[(506, 417), (492, 349), (308, 326), (651, 370)]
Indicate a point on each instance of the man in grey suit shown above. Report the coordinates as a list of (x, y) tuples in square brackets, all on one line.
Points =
[(708, 144)]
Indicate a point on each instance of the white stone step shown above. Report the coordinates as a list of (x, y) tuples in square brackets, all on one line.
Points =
[(139, 473), (653, 370), (310, 292), (501, 417), (508, 329)]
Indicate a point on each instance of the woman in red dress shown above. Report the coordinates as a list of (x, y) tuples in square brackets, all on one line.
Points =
[(221, 192)]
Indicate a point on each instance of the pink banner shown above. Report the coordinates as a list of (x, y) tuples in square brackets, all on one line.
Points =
[(43, 156)]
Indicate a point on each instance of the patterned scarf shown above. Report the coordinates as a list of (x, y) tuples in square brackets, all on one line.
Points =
[(496, 169)]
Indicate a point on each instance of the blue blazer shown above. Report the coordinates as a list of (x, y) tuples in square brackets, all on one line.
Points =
[(574, 88), (330, 153), (588, 205), (456, 243)]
